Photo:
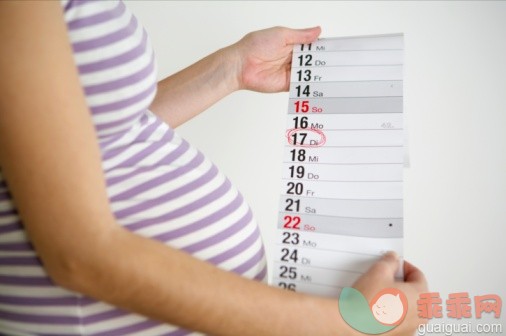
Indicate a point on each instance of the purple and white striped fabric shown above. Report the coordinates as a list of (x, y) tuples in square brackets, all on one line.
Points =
[(159, 187)]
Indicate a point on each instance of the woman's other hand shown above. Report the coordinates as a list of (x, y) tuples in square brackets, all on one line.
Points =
[(263, 58), (382, 276)]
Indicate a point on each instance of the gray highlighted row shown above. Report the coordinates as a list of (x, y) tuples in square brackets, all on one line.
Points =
[(347, 105), (359, 88), (358, 227)]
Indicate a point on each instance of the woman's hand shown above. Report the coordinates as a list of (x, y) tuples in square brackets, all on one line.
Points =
[(260, 62), (381, 276), (264, 57)]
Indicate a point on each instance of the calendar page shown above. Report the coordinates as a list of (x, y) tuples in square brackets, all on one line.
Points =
[(341, 204)]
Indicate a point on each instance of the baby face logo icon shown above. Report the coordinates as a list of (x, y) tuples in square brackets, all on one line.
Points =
[(383, 313), (389, 306)]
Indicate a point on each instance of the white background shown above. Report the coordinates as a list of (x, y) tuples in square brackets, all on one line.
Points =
[(455, 104)]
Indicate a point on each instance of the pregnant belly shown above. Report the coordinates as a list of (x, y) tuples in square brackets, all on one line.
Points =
[(161, 187)]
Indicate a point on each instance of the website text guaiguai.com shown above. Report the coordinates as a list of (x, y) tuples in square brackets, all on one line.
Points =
[(468, 328)]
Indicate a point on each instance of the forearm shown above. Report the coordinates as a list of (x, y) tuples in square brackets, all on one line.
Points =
[(185, 94), (260, 62), (154, 280)]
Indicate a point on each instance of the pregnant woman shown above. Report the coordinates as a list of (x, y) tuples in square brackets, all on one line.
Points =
[(111, 224)]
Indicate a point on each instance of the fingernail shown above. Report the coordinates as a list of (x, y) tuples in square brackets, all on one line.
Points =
[(391, 254)]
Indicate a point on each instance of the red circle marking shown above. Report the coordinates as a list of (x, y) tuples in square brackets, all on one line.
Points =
[(321, 141)]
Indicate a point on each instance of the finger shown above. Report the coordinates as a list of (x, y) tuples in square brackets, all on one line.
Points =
[(384, 270), (390, 260), (380, 275), (413, 274), (302, 36)]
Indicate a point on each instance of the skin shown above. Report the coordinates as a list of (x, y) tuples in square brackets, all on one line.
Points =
[(50, 157)]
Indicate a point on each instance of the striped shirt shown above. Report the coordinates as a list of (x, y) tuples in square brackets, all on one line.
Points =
[(159, 187)]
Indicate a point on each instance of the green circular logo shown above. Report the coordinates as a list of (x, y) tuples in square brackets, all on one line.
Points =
[(386, 310)]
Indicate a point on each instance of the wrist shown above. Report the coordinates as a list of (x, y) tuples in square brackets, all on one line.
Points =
[(231, 67), (325, 318)]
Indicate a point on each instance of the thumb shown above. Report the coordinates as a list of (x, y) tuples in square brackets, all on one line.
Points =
[(302, 36), (386, 268), (380, 275)]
